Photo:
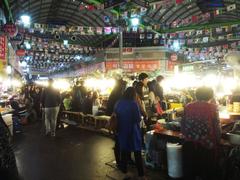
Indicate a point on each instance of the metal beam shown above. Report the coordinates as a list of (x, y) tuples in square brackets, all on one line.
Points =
[(9, 10)]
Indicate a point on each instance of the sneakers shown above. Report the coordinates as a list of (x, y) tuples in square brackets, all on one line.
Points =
[(53, 134)]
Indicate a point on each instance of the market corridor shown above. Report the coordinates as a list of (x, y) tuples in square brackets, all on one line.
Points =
[(74, 154)]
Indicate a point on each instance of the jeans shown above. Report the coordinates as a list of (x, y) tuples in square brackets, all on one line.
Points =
[(51, 115)]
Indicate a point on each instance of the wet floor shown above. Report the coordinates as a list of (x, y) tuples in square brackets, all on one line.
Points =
[(74, 154)]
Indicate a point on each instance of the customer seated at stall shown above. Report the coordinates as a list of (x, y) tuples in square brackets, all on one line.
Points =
[(87, 103), (67, 102), (128, 131), (201, 131), (96, 103), (78, 94)]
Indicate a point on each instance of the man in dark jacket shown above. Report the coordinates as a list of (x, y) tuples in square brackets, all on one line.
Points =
[(50, 101), (78, 95)]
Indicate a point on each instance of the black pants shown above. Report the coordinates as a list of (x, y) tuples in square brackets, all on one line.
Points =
[(198, 161), (138, 161), (117, 152)]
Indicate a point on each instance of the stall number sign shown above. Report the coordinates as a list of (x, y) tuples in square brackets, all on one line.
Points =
[(2, 48)]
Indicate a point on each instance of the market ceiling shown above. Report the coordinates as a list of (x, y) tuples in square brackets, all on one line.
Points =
[(168, 15), (69, 12)]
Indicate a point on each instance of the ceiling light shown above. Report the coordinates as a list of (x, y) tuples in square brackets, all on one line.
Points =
[(9, 69), (65, 42), (24, 64), (176, 45), (27, 45), (135, 21), (25, 20)]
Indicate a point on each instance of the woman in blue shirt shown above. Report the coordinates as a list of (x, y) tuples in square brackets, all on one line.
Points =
[(128, 130)]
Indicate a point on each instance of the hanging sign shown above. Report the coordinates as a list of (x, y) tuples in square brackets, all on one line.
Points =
[(3, 48), (10, 29), (20, 52), (135, 65), (127, 50)]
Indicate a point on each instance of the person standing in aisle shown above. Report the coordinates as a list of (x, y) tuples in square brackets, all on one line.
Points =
[(129, 134), (143, 78), (78, 95), (116, 95), (51, 100)]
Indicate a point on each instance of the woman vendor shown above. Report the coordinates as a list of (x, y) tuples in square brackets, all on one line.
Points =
[(201, 131)]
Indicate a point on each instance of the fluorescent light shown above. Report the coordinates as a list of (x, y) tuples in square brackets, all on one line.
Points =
[(65, 42), (27, 45), (135, 21), (176, 45), (25, 20), (9, 69)]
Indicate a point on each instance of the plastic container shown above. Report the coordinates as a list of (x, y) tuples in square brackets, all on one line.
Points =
[(8, 120), (174, 159)]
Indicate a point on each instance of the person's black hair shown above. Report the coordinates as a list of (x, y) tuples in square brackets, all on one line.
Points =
[(159, 78), (134, 83), (142, 76), (129, 93), (204, 93), (152, 85)]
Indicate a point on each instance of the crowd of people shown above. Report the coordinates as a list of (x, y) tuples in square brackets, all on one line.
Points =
[(132, 108)]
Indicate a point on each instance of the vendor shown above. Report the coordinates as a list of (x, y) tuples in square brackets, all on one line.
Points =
[(201, 131)]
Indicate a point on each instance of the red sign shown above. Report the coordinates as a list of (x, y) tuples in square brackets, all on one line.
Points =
[(20, 52), (3, 48), (10, 29), (135, 65), (127, 50)]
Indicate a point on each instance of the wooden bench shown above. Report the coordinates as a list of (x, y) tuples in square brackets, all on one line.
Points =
[(89, 120), (101, 121), (79, 115)]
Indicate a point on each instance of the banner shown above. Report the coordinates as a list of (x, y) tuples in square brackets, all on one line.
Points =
[(3, 47), (135, 65)]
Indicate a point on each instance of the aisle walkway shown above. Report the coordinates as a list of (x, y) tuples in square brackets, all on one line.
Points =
[(75, 154)]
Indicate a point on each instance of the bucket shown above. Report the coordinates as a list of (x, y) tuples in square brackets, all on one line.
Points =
[(174, 159)]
